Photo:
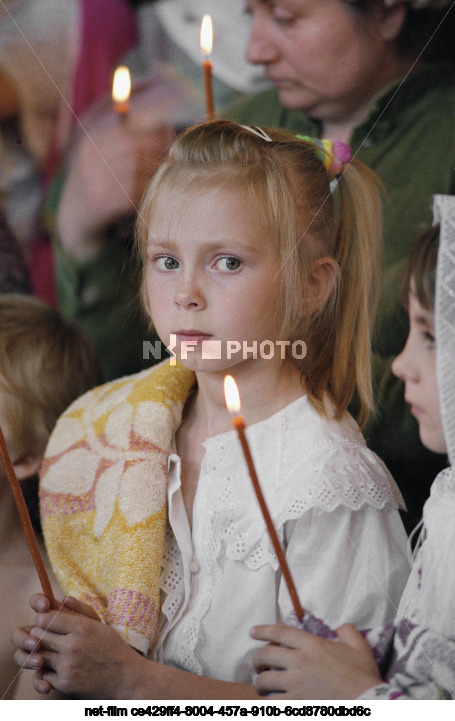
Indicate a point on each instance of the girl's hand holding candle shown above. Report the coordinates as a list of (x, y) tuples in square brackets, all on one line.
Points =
[(206, 47), (233, 403)]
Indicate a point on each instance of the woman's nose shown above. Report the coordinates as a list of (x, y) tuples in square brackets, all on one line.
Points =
[(261, 48)]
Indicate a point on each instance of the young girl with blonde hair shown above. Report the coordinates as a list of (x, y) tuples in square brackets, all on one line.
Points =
[(247, 257)]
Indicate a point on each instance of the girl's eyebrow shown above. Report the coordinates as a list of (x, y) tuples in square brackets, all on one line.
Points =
[(157, 242), (210, 246)]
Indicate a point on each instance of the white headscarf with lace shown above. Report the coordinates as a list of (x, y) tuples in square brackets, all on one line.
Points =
[(429, 601), (444, 213)]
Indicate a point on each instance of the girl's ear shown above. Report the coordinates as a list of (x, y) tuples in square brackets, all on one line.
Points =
[(391, 21), (320, 283)]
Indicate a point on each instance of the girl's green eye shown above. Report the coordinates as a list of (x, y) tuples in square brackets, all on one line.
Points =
[(167, 263), (229, 263)]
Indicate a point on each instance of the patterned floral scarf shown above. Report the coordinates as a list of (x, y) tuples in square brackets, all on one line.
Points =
[(103, 496)]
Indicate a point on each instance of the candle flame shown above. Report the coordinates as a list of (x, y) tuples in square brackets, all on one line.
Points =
[(231, 393), (206, 35), (121, 87)]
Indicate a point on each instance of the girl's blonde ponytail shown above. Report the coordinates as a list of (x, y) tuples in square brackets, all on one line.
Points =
[(357, 250)]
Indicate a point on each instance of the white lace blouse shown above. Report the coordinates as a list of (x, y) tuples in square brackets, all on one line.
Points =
[(334, 505)]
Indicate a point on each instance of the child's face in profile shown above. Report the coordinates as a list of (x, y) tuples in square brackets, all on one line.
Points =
[(416, 366)]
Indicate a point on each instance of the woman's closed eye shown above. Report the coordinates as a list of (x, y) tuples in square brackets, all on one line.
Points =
[(282, 16)]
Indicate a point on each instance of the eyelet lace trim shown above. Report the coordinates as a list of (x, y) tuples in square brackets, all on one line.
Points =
[(172, 584)]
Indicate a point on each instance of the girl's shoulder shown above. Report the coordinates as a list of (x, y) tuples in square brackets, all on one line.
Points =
[(304, 459), (310, 433), (345, 470)]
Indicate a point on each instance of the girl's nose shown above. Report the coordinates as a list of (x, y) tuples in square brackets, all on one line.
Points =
[(261, 48), (405, 367), (189, 295)]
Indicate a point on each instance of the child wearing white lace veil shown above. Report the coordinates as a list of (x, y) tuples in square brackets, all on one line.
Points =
[(436, 605), (424, 666), (413, 658)]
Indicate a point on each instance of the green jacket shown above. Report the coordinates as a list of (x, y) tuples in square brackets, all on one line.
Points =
[(409, 141)]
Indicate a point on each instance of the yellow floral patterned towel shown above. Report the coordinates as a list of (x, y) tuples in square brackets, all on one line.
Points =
[(103, 496)]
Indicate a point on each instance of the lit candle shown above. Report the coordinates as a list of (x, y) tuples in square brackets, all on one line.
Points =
[(233, 403), (26, 522), (121, 89), (206, 47)]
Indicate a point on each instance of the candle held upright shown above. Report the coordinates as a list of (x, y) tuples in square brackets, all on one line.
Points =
[(206, 47), (233, 404)]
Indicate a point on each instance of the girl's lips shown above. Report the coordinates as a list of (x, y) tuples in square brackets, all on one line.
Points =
[(192, 336), (416, 410)]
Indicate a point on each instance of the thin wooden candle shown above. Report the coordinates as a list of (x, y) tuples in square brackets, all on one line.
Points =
[(121, 90), (206, 47), (233, 404), (26, 522)]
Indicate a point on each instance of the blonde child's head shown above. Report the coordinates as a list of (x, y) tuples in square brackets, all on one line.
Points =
[(289, 189), (46, 362)]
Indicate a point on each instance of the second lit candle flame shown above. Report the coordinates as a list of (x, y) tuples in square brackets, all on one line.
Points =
[(121, 87), (206, 35), (231, 393)]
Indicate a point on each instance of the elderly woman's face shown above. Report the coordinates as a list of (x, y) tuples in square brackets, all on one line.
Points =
[(323, 56)]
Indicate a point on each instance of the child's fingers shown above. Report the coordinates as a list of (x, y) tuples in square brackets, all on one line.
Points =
[(50, 662), (49, 641), (23, 639), (55, 628), (280, 634), (40, 603), (79, 607), (271, 656), (61, 621), (269, 681), (40, 684), (25, 659), (349, 635)]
